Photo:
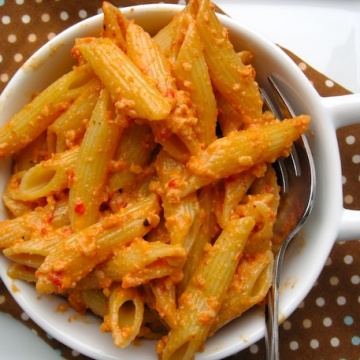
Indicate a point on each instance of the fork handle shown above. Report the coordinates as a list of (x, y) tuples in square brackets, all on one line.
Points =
[(272, 310), (271, 325)]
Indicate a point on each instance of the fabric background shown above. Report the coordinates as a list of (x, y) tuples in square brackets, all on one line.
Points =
[(327, 324)]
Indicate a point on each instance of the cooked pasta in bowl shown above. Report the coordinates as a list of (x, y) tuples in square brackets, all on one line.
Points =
[(139, 196)]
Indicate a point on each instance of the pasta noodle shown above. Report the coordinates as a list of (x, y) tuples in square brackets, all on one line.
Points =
[(34, 118), (143, 188)]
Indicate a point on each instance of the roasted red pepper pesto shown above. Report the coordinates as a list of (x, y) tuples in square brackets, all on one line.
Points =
[(80, 208)]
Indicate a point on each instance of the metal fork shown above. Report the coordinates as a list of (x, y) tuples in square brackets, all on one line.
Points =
[(296, 175)]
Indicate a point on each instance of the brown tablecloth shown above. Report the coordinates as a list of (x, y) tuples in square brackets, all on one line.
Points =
[(327, 324)]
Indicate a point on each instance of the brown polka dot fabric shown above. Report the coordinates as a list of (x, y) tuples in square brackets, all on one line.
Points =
[(327, 324)]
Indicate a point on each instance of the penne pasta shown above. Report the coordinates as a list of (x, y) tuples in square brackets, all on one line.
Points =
[(165, 299), (49, 176), (36, 223), (235, 189), (69, 128), (128, 162), (91, 168), (234, 80), (17, 207), (33, 252), (205, 230), (192, 75), (22, 272), (34, 118), (132, 92), (31, 154), (143, 261), (93, 299), (249, 287), (78, 254), (148, 57), (179, 216), (165, 38), (115, 25), (126, 311), (142, 185), (241, 150), (201, 301)]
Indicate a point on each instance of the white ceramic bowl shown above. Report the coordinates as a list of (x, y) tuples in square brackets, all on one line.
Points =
[(305, 257)]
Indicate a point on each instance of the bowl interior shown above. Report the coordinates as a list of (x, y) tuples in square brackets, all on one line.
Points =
[(305, 257)]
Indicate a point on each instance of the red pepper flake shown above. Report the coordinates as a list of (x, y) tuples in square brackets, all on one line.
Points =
[(56, 279), (171, 93), (172, 183), (79, 208), (49, 218), (66, 232)]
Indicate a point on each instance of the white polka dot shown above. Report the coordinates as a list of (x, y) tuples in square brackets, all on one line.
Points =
[(344, 180), (341, 300), (348, 199), (182, 2), (327, 321), (320, 301), (32, 38), (356, 159), (335, 342), (51, 35), (18, 57), (25, 316), (355, 279), (302, 66), (286, 325), (45, 17), (294, 345), (307, 323), (329, 83), (75, 353), (254, 349), (64, 15), (6, 20), (302, 304), (38, 1), (2, 299), (1, 58), (25, 19), (334, 280), (4, 78), (348, 259), (314, 344), (19, 2), (350, 139), (12, 38), (82, 14), (328, 261)]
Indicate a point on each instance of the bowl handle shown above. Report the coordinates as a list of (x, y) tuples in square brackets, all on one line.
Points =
[(345, 110)]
